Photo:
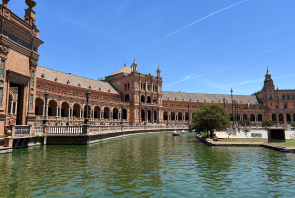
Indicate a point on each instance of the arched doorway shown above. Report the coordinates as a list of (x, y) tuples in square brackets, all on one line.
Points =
[(148, 99), (96, 112), (165, 115), (155, 116), (124, 114), (106, 113), (172, 115), (186, 116), (65, 109), (142, 115), (76, 110), (149, 115), (274, 117), (252, 117), (115, 113), (259, 117), (179, 116), (245, 117), (281, 118), (288, 118), (52, 108), (39, 107)]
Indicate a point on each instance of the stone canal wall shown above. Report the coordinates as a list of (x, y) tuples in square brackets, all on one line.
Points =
[(274, 146)]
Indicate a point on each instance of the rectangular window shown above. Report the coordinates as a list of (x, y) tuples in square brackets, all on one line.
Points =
[(285, 105), (5, 32), (31, 102), (148, 87), (288, 97), (1, 95), (2, 68), (292, 97), (32, 78), (283, 97)]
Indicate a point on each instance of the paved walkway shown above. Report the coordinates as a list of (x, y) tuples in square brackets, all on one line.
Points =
[(242, 134)]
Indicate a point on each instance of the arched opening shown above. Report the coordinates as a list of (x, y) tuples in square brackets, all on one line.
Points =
[(180, 116), (281, 118), (172, 115), (288, 118), (148, 99), (96, 112), (127, 98), (52, 107), (115, 113), (252, 117), (142, 115), (186, 116), (294, 117), (39, 106), (149, 115), (106, 113), (155, 116), (76, 110), (142, 98), (124, 114), (89, 111), (274, 117), (245, 117), (65, 109), (165, 115), (259, 117)]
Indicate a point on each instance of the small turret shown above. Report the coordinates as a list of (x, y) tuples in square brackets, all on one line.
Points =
[(30, 13), (5, 3), (158, 72)]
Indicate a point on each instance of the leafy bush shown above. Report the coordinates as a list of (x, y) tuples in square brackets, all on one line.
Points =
[(267, 123), (293, 124), (247, 130), (244, 123)]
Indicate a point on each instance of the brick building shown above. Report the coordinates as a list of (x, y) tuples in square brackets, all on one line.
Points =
[(126, 95)]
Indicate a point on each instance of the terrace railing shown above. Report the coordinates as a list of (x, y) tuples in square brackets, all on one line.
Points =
[(65, 130)]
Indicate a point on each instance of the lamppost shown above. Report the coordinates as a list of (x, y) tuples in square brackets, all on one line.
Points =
[(236, 107), (232, 102), (45, 121), (188, 104), (122, 114), (86, 120), (224, 102)]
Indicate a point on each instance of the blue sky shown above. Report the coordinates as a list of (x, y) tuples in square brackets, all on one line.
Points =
[(204, 46)]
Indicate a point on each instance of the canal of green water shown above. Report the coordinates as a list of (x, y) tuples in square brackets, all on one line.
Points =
[(149, 165)]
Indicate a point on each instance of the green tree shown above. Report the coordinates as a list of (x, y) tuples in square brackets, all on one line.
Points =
[(293, 124), (209, 117), (267, 123)]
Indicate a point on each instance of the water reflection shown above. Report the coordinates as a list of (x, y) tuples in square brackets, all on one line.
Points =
[(152, 165)]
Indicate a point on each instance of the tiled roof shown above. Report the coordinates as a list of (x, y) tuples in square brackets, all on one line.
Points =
[(218, 98), (51, 75), (126, 70)]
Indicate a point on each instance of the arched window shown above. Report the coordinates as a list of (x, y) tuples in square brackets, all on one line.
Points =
[(127, 98)]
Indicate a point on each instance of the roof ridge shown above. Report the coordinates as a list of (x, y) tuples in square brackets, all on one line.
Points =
[(206, 93)]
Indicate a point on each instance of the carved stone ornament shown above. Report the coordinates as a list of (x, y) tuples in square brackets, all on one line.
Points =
[(5, 2), (33, 63), (3, 50), (31, 3)]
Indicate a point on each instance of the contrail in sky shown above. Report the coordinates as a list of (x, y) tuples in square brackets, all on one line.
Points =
[(197, 21)]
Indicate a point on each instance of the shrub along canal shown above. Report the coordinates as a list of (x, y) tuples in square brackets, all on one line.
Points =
[(151, 165)]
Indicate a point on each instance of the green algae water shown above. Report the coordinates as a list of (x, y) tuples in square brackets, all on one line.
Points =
[(148, 165)]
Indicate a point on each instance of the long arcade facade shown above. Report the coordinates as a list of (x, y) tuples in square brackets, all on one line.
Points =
[(125, 96)]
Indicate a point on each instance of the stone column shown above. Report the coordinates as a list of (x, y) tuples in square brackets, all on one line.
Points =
[(59, 111), (43, 110), (82, 113), (118, 115), (69, 113), (176, 117), (15, 110), (11, 108), (47, 111), (56, 111)]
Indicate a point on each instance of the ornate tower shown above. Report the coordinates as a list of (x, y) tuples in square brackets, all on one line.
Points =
[(134, 65), (268, 82)]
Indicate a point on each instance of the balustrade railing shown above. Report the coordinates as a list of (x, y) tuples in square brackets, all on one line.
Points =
[(64, 130), (21, 130)]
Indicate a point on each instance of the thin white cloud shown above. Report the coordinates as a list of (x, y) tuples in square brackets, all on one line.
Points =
[(185, 79), (197, 21)]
